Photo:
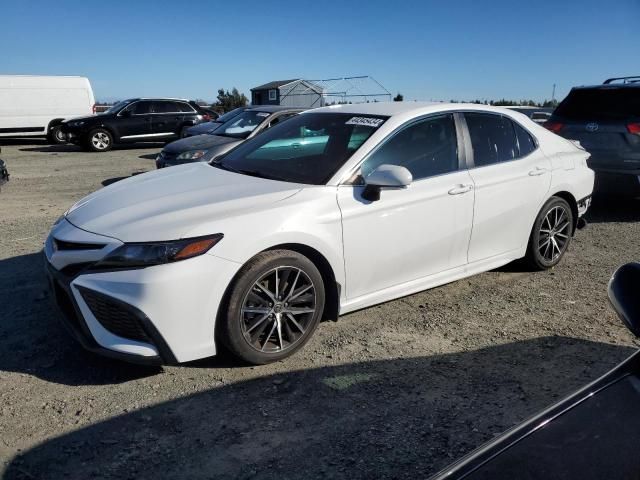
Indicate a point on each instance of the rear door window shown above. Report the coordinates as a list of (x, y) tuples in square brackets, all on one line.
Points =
[(165, 107), (493, 138), (603, 103)]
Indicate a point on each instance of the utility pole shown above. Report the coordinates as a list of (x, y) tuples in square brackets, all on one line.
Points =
[(553, 94)]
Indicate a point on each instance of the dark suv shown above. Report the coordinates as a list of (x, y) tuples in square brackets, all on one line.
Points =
[(135, 120), (605, 119)]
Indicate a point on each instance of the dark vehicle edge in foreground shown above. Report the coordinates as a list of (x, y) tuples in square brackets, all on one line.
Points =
[(592, 433)]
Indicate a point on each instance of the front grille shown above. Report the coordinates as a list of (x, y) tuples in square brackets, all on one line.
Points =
[(114, 316), (63, 245)]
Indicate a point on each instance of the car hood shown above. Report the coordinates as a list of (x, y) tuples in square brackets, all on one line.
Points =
[(77, 119), (198, 142), (206, 127), (168, 204)]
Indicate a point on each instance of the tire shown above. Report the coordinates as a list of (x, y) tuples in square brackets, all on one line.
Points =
[(551, 234), (55, 135), (258, 330), (99, 140)]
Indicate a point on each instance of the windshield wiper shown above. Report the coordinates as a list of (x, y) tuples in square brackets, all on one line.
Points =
[(223, 166), (251, 173), (255, 173)]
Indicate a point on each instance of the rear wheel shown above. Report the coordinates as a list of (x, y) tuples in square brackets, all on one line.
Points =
[(99, 140), (55, 135), (551, 234), (274, 306)]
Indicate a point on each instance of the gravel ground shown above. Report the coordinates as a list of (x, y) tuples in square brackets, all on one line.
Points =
[(394, 391)]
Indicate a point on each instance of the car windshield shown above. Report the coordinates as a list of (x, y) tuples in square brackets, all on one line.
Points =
[(307, 148), (242, 125), (603, 103), (115, 108), (229, 115)]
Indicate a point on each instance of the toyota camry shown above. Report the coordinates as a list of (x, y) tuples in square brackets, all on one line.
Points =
[(334, 210)]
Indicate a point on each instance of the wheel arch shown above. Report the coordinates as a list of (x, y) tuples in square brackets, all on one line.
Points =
[(573, 203), (331, 286), (54, 123)]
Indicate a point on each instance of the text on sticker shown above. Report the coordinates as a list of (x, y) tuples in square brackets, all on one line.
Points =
[(366, 121)]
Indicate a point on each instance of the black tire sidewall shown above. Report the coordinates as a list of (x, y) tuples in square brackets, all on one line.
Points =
[(533, 254), (52, 136), (230, 331), (90, 136)]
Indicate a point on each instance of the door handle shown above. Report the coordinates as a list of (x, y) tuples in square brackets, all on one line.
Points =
[(537, 171), (460, 189)]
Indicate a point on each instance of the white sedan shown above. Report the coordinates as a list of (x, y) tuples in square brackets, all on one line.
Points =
[(334, 210)]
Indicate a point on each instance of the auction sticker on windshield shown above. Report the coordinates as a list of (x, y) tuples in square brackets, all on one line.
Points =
[(365, 121)]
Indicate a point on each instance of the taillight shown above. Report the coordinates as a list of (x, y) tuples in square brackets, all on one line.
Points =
[(634, 128), (93, 108), (555, 127), (207, 117)]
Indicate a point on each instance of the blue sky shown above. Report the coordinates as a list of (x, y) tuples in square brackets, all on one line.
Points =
[(425, 49)]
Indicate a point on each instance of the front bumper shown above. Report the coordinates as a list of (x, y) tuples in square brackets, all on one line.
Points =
[(163, 314)]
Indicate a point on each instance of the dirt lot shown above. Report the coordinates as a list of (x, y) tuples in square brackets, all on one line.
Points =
[(394, 391)]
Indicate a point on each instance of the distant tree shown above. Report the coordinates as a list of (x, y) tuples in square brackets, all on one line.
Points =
[(230, 100), (398, 98), (550, 103)]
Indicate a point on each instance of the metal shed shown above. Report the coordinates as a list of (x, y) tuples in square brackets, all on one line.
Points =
[(290, 93)]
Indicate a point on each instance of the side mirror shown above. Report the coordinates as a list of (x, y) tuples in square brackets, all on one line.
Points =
[(387, 176), (624, 294)]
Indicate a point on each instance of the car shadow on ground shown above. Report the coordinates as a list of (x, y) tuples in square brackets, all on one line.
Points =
[(397, 418), (108, 181), (613, 208)]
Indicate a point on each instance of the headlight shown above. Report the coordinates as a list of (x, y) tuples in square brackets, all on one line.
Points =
[(191, 155), (132, 255)]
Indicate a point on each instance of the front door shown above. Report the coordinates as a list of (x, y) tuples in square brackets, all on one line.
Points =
[(136, 122), (413, 232)]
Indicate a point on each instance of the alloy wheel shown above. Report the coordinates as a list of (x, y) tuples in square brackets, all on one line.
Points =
[(278, 309), (100, 140), (554, 233)]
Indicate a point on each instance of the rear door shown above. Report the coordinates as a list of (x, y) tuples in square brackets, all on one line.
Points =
[(512, 178), (168, 118)]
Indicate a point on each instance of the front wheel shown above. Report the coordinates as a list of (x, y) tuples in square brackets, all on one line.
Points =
[(551, 234), (99, 140), (274, 306), (56, 136)]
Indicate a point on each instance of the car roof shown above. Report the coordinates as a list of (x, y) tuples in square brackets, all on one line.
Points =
[(392, 109), (274, 108), (157, 98), (608, 86)]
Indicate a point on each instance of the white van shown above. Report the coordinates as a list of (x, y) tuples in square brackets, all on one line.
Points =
[(33, 105)]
